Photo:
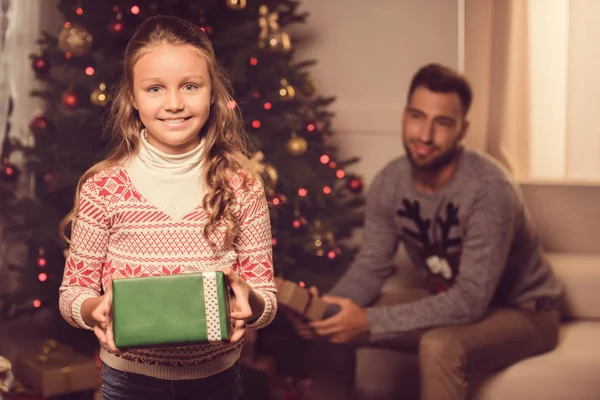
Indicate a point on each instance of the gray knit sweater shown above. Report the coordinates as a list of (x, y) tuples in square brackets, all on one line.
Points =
[(473, 241)]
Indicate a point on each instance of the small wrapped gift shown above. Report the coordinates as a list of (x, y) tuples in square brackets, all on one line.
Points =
[(57, 370), (171, 310), (298, 299)]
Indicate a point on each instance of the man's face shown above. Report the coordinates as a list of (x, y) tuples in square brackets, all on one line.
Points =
[(433, 126)]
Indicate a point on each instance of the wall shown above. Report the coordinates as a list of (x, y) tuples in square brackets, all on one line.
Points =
[(367, 53)]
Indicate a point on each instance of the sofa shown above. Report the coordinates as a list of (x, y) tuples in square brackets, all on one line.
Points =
[(571, 371)]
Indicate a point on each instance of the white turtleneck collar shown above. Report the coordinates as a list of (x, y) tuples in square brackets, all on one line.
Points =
[(170, 182), (172, 165)]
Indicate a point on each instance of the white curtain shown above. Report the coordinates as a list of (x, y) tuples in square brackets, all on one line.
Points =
[(534, 68), (4, 78), (496, 57)]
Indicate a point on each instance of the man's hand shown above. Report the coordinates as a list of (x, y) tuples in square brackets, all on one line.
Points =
[(350, 324)]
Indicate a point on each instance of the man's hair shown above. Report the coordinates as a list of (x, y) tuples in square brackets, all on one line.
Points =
[(441, 79)]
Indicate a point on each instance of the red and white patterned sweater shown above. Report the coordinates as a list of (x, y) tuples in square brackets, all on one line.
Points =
[(119, 231)]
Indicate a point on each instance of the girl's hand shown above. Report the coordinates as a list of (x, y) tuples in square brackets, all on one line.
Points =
[(102, 316), (240, 304)]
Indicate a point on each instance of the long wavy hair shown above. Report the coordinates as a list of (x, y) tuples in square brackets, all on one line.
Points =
[(226, 146)]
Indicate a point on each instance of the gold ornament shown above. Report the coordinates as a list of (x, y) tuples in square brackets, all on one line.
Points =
[(270, 36), (296, 146), (99, 97), (287, 91), (75, 39), (236, 4)]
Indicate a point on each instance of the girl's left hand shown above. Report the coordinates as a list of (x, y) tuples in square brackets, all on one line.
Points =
[(240, 303)]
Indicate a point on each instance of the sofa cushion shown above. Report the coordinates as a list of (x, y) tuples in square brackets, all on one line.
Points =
[(568, 372), (580, 277)]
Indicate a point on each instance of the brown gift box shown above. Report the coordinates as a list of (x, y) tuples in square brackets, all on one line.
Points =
[(58, 370), (298, 299)]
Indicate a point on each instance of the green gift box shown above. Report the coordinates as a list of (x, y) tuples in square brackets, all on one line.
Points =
[(171, 310)]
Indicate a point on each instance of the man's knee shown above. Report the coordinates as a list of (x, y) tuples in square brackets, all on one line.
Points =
[(441, 346)]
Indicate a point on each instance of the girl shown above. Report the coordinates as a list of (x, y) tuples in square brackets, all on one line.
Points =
[(176, 192)]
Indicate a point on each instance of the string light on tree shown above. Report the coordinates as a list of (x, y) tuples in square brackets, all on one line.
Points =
[(324, 159), (340, 173), (287, 91), (89, 71), (40, 64), (8, 171), (79, 11), (116, 26), (355, 185), (100, 97), (70, 99), (135, 10), (41, 260), (299, 222), (278, 199), (236, 4)]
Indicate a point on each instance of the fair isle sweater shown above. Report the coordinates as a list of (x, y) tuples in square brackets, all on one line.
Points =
[(473, 241), (144, 218)]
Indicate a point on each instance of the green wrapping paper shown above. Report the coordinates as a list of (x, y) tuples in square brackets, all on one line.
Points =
[(171, 310)]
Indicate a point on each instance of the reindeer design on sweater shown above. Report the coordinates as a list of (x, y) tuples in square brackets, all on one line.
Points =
[(439, 254)]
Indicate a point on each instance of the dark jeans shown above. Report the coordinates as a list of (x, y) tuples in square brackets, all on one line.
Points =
[(119, 385)]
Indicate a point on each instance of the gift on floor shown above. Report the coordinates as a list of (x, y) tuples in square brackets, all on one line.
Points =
[(292, 296), (56, 370), (171, 310)]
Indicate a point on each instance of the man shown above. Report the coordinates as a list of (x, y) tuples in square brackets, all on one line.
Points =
[(492, 297)]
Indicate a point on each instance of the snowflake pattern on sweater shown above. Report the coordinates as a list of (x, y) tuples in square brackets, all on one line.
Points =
[(118, 231)]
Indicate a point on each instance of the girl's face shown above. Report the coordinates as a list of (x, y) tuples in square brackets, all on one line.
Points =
[(172, 92)]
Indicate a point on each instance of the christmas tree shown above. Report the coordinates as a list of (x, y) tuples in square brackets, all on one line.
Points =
[(315, 203)]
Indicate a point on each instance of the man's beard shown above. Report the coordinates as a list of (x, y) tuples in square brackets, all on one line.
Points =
[(436, 164)]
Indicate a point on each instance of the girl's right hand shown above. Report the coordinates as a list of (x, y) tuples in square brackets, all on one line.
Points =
[(102, 316)]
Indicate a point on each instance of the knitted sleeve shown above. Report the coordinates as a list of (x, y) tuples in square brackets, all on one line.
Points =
[(82, 278), (255, 253)]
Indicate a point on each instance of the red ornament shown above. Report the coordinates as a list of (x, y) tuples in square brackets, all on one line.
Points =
[(70, 100), (355, 185), (115, 27), (39, 125), (40, 64)]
